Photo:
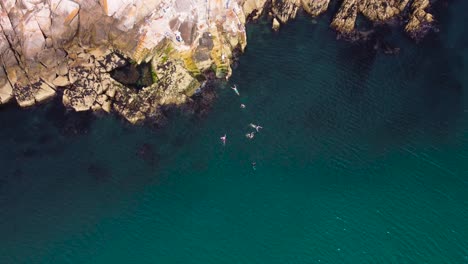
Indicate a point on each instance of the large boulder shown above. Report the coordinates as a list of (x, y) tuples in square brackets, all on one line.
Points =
[(345, 20), (420, 20)]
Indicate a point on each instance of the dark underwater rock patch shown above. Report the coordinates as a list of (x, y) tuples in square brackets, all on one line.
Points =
[(45, 139), (147, 153), (179, 141), (99, 171), (357, 60), (29, 152), (17, 173)]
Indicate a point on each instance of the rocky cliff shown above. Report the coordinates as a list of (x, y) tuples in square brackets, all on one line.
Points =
[(73, 48)]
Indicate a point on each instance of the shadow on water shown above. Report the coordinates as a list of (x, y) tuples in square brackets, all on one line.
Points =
[(356, 59), (435, 92), (443, 89), (428, 96), (68, 122)]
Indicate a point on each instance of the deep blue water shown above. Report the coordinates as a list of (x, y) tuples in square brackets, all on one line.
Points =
[(362, 159)]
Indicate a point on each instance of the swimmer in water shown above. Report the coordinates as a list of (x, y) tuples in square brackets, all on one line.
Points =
[(254, 165), (234, 88), (257, 127), (242, 106), (250, 135), (223, 139)]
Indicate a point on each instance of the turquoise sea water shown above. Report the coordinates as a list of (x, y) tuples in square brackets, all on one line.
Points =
[(363, 159)]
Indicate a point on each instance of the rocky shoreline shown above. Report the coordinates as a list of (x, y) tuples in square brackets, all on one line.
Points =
[(72, 49)]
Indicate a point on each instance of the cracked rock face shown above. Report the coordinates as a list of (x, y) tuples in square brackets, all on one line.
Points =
[(381, 11), (68, 48), (420, 20), (315, 7), (345, 19)]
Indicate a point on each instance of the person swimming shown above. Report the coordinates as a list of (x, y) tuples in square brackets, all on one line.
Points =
[(254, 165), (250, 135), (242, 106), (223, 139), (257, 127), (234, 88)]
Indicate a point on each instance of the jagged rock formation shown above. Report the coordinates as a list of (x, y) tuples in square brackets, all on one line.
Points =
[(71, 47), (344, 20), (67, 47), (420, 20), (374, 10), (315, 7)]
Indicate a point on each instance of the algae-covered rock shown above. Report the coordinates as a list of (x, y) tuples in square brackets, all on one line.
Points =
[(173, 87)]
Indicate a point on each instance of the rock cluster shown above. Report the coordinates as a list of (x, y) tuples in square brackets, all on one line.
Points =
[(420, 20), (344, 20), (375, 10), (89, 85), (381, 11), (174, 86), (70, 47)]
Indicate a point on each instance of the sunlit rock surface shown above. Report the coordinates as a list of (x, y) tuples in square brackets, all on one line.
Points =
[(71, 47)]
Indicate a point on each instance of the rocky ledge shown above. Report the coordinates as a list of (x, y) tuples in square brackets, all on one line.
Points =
[(73, 49)]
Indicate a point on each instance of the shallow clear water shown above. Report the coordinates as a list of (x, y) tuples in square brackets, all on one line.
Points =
[(362, 159)]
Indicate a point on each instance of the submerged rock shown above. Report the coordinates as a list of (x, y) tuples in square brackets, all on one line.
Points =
[(98, 171), (147, 153)]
